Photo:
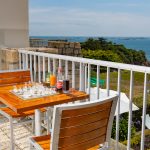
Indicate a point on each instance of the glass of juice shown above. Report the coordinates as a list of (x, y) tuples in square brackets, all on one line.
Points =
[(53, 80)]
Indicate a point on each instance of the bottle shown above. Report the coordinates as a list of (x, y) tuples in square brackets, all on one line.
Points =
[(59, 84)]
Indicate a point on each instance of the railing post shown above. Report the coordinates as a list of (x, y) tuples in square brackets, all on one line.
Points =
[(89, 79), (66, 69), (108, 81), (118, 109), (54, 66), (43, 69), (49, 65), (26, 59), (73, 74), (34, 68), (31, 71), (144, 112), (39, 68), (60, 63), (98, 79), (82, 80), (85, 77), (130, 110), (20, 60)]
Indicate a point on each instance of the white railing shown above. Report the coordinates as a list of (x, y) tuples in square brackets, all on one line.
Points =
[(37, 61)]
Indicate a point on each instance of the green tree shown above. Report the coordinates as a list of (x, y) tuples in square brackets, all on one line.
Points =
[(119, 52), (101, 55)]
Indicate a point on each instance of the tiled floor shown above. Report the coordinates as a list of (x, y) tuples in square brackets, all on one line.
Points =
[(21, 133)]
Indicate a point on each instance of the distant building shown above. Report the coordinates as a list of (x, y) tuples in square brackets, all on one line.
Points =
[(14, 31)]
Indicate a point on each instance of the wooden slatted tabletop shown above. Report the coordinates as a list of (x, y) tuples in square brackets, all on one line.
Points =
[(19, 105)]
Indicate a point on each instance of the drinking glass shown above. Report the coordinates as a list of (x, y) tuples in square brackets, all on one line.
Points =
[(53, 80), (66, 86)]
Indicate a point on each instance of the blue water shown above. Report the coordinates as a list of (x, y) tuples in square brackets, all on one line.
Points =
[(134, 43), (137, 43)]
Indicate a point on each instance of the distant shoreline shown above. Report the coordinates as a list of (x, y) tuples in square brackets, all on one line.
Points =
[(137, 43)]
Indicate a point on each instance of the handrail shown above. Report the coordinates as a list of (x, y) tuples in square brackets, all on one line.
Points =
[(116, 65)]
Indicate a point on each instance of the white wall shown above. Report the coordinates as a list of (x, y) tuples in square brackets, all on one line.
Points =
[(14, 23)]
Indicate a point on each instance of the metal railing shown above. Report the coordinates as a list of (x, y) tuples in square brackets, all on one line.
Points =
[(40, 63)]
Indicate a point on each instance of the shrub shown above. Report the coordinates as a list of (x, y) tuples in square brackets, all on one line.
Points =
[(123, 128), (101, 55), (136, 141)]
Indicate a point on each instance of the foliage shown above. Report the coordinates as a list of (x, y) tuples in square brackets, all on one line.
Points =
[(123, 128), (119, 53), (135, 141), (101, 55)]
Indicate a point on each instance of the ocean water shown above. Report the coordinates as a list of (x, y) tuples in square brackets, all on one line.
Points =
[(134, 43), (137, 43)]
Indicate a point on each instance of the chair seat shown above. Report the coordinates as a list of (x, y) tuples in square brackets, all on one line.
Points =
[(44, 142), (13, 114)]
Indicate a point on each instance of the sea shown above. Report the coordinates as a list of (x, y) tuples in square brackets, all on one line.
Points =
[(136, 43)]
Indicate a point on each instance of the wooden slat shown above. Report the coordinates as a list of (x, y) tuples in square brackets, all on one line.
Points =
[(85, 119), (14, 77), (85, 145), (75, 130), (44, 142), (14, 80), (17, 115), (76, 112), (14, 74), (80, 138)]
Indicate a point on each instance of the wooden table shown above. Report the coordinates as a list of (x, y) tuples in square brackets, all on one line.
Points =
[(19, 105)]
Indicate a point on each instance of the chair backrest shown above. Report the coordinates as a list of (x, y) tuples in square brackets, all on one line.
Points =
[(82, 126), (14, 77)]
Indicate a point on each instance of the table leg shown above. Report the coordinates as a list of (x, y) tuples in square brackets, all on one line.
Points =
[(37, 122)]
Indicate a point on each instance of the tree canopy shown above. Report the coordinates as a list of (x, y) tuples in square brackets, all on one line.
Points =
[(102, 49)]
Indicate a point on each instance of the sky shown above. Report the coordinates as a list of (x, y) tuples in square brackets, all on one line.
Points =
[(112, 18)]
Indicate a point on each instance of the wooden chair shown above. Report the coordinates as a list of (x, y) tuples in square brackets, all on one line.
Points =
[(81, 126), (12, 78)]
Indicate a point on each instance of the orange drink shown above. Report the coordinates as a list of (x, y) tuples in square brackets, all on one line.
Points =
[(53, 80)]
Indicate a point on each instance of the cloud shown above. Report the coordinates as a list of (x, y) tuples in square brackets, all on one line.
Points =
[(82, 22)]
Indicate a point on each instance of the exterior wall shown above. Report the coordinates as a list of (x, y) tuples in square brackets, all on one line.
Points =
[(66, 48), (9, 57), (14, 23)]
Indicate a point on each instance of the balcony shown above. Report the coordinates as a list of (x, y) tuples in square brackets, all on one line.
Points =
[(80, 71)]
